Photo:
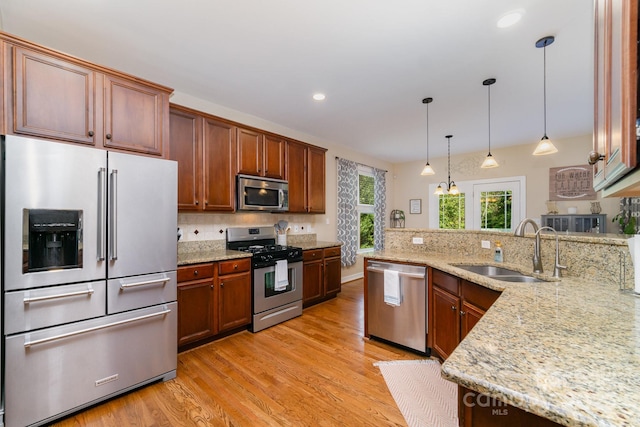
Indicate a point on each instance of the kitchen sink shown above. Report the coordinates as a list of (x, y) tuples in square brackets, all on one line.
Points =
[(500, 273)]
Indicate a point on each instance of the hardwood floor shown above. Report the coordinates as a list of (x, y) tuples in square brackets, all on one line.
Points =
[(314, 370)]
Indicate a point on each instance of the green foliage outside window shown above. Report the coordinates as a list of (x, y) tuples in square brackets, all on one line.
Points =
[(366, 190), (366, 230), (495, 209), (451, 211), (366, 198)]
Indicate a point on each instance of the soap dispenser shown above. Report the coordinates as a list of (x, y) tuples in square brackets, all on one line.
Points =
[(498, 255)]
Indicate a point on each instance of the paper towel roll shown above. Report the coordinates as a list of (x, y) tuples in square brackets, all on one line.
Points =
[(634, 250)]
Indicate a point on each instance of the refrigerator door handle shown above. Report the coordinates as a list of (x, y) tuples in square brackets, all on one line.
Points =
[(113, 220), (101, 213)]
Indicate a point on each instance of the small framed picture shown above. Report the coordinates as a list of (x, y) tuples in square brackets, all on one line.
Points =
[(415, 206)]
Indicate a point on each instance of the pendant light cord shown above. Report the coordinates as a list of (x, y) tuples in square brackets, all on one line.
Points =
[(489, 109), (544, 85), (449, 163), (427, 133)]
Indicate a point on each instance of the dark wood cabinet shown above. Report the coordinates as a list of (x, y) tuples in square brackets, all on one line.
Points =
[(306, 173), (457, 305), (260, 154), (213, 299), (205, 151), (234, 294), (478, 410), (321, 274), (616, 91), (56, 96), (196, 303)]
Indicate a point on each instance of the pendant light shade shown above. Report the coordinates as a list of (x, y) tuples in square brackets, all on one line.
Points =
[(489, 161), (427, 170), (545, 146), (451, 187)]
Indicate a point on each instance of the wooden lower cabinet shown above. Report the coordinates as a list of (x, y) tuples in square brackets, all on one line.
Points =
[(213, 298), (479, 410), (446, 322), (321, 275)]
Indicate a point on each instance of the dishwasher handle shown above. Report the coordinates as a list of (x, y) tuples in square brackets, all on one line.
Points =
[(400, 273)]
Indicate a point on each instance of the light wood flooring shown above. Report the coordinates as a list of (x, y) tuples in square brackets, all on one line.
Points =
[(314, 370)]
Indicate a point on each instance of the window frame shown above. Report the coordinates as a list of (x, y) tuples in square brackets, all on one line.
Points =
[(472, 189), (361, 208)]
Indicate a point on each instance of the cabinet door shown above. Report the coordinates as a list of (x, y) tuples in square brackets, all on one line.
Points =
[(616, 34), (53, 98), (249, 152), (185, 146), (297, 176), (332, 276), (234, 296), (469, 316), (273, 157), (316, 180), (134, 115), (219, 173), (195, 311), (313, 281), (446, 322)]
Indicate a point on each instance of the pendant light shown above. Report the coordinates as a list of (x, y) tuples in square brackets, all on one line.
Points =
[(489, 161), (545, 146), (452, 188), (428, 170)]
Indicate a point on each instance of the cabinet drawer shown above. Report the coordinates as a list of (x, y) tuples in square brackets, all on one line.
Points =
[(445, 281), (478, 295), (193, 272), (129, 293), (234, 266), (329, 252), (312, 255)]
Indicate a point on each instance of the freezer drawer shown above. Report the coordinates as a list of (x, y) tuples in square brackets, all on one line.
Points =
[(59, 370), (130, 293), (405, 324), (44, 307)]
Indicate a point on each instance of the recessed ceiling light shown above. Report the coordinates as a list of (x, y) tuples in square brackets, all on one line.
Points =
[(319, 96), (510, 18)]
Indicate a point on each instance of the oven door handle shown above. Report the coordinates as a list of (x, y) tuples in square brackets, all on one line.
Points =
[(101, 213), (113, 220)]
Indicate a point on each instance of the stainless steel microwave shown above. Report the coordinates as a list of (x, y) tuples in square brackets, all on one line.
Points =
[(262, 194)]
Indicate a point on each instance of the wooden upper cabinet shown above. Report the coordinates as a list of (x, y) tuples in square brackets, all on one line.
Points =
[(185, 147), (316, 180), (53, 98), (615, 78), (274, 156), (260, 154), (297, 176), (219, 155), (52, 95), (134, 116)]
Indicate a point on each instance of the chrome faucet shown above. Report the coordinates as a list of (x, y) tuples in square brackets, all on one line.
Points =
[(556, 266), (537, 260)]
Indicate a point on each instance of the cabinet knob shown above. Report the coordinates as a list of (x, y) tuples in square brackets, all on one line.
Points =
[(197, 203), (90, 133), (453, 307), (108, 136), (222, 284), (595, 157), (211, 286), (195, 272), (206, 203), (462, 313), (235, 266)]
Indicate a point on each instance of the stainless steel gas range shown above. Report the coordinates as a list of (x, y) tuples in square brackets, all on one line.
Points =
[(276, 275)]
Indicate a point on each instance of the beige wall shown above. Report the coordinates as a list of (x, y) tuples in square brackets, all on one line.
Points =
[(514, 161)]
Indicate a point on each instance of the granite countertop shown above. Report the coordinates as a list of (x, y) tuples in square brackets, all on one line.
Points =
[(567, 350), (315, 245), (209, 256)]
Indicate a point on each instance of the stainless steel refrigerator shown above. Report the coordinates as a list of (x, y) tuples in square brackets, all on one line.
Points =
[(88, 276)]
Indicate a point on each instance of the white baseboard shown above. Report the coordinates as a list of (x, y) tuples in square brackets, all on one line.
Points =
[(351, 277)]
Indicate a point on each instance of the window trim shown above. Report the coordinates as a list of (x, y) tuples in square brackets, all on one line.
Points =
[(468, 187)]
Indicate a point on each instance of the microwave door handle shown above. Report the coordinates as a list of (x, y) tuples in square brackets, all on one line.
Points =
[(101, 213), (280, 197), (113, 221)]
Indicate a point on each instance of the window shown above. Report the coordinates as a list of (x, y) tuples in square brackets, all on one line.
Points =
[(365, 209), (496, 204)]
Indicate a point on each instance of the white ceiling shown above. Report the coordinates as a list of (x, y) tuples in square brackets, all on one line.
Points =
[(374, 59)]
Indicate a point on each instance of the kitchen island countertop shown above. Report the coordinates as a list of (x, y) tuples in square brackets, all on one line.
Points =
[(315, 245), (567, 350)]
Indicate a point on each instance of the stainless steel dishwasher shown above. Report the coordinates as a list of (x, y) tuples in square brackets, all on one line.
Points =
[(406, 322)]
